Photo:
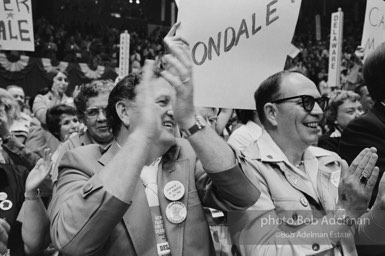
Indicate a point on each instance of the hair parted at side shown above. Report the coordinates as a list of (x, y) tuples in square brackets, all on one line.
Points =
[(53, 118), (123, 91), (374, 74)]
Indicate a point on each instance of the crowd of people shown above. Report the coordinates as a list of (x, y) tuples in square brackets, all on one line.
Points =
[(132, 167)]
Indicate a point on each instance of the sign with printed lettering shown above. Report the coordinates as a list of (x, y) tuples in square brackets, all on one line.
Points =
[(335, 50), (374, 26), (124, 54), (16, 27), (235, 46)]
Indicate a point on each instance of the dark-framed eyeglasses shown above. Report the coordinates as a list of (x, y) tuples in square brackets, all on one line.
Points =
[(307, 101), (95, 111)]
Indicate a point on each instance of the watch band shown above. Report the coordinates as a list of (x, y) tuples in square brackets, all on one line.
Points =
[(199, 125)]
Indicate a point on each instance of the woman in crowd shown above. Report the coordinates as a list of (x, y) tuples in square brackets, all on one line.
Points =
[(343, 107), (24, 225), (55, 96), (63, 123)]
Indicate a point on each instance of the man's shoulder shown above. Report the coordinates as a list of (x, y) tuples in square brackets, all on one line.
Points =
[(366, 121), (81, 157)]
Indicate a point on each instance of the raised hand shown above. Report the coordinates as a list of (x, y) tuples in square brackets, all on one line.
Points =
[(178, 73), (39, 172), (354, 191), (146, 113), (4, 231)]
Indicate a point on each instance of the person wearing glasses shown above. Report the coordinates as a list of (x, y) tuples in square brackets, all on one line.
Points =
[(343, 107), (311, 202), (58, 84), (90, 102), (143, 194)]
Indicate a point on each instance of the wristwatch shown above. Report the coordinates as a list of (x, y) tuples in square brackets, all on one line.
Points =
[(200, 123)]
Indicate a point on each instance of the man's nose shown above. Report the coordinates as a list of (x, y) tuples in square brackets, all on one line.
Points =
[(170, 112), (317, 110)]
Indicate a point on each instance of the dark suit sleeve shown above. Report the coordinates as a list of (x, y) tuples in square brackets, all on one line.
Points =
[(82, 213), (229, 190), (363, 133)]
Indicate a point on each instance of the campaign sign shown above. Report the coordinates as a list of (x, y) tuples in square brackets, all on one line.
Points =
[(16, 27), (235, 45), (374, 26)]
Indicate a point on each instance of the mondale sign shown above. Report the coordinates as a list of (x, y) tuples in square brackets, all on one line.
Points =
[(16, 28), (235, 45)]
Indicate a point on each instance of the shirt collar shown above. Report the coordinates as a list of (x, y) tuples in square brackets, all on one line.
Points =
[(266, 150)]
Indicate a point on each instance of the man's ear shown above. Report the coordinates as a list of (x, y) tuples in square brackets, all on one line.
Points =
[(271, 111), (123, 113)]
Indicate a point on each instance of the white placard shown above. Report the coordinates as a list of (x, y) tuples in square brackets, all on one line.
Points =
[(235, 46), (336, 30), (124, 57), (374, 26), (16, 27)]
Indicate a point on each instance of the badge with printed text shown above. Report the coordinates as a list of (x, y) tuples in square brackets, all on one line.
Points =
[(304, 202), (174, 190), (3, 196), (176, 212), (5, 205)]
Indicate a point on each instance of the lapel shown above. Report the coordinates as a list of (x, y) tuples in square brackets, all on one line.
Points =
[(173, 169), (137, 219)]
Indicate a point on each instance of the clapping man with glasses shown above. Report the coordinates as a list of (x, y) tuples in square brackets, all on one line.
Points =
[(311, 201), (90, 102)]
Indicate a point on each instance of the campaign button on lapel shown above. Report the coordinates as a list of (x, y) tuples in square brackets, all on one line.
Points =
[(176, 212), (174, 190), (6, 205), (3, 196), (304, 202)]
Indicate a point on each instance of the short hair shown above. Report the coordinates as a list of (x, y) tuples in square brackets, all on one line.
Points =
[(374, 74), (123, 91), (53, 118), (90, 90), (245, 115), (51, 75), (337, 98), (14, 86)]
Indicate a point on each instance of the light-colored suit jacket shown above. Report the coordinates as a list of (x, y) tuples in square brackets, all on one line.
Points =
[(87, 220)]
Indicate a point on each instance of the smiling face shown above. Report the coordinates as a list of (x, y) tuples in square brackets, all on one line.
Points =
[(347, 111), (69, 124), (298, 127), (60, 83), (165, 97)]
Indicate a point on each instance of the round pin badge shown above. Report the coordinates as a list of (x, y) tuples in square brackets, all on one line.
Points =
[(5, 205), (174, 190), (304, 201), (3, 196), (176, 212)]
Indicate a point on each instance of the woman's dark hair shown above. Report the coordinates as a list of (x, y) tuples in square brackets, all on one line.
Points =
[(53, 118), (123, 91), (374, 74), (51, 75)]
